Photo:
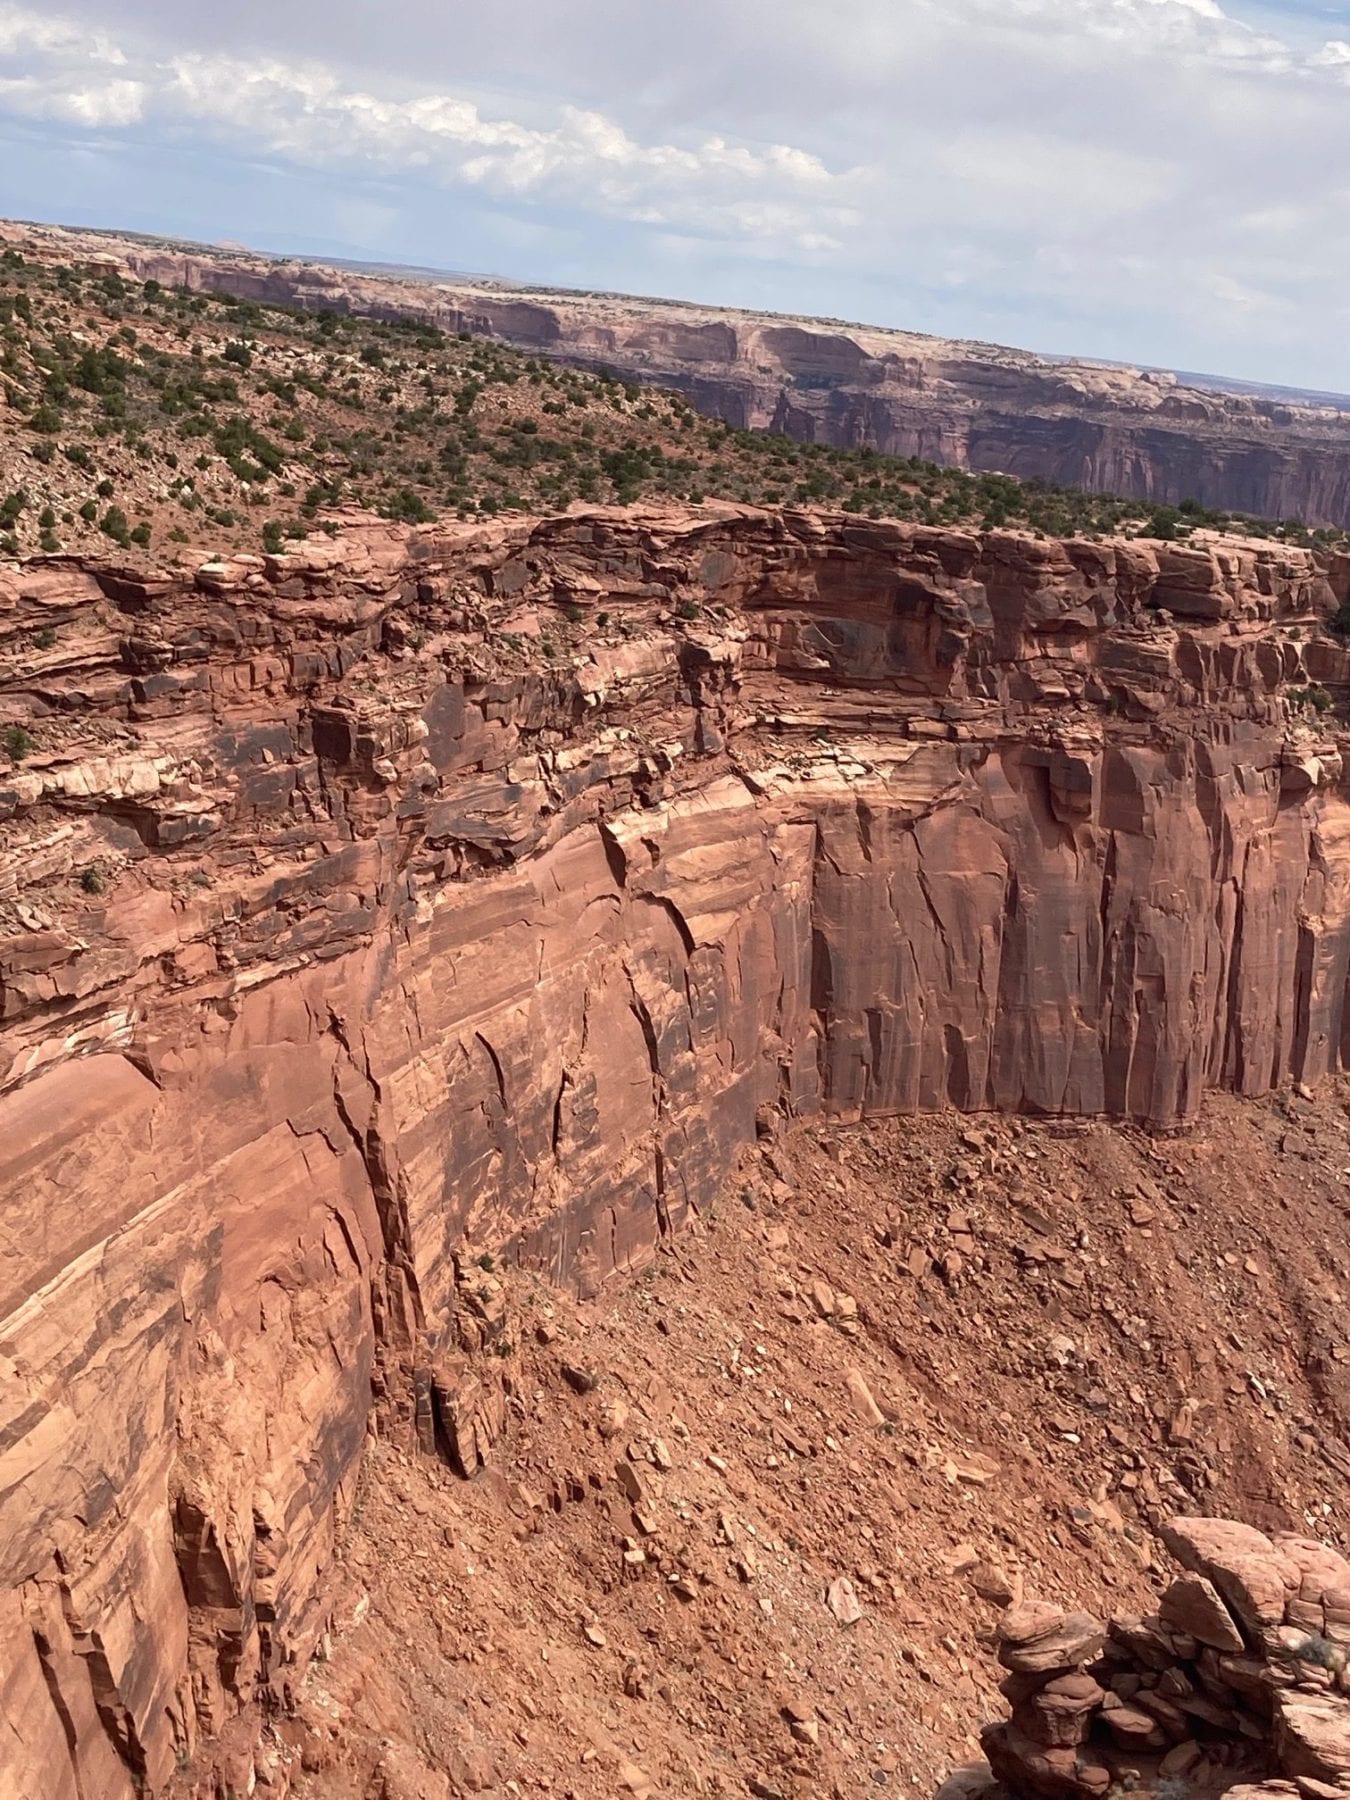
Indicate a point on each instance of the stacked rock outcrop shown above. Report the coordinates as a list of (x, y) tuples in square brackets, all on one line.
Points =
[(1240, 1682)]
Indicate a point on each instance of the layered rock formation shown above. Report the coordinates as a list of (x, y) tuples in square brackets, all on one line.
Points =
[(1144, 434), (1239, 1682), (426, 893)]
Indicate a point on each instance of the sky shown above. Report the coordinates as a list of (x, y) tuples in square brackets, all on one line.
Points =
[(1151, 181)]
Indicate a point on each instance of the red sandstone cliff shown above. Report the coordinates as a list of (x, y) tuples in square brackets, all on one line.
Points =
[(435, 891), (972, 406)]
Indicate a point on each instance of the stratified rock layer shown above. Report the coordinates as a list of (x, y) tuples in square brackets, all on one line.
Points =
[(1148, 434), (427, 893)]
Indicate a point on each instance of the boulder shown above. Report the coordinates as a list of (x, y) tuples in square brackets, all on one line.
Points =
[(1192, 1604)]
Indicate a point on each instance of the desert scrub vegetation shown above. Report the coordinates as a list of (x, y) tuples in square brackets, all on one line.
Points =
[(1321, 1652), (1318, 698), (149, 415)]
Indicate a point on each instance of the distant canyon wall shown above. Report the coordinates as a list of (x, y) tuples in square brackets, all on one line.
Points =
[(411, 941), (1145, 435)]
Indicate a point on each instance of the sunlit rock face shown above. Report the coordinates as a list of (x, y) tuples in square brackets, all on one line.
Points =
[(428, 893)]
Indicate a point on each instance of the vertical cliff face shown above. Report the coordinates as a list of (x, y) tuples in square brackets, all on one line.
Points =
[(423, 893)]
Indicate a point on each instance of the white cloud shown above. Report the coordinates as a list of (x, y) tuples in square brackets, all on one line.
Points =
[(309, 113), (114, 103), (24, 33), (105, 105), (1333, 55)]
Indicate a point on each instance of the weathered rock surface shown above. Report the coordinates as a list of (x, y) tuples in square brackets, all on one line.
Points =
[(1147, 434), (349, 937), (1163, 1705)]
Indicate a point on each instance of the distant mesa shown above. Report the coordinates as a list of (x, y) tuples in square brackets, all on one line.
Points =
[(1147, 434)]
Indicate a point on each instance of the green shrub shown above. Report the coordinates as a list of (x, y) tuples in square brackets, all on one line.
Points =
[(407, 504), (18, 743), (1316, 697), (100, 372), (1320, 1651), (239, 440)]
